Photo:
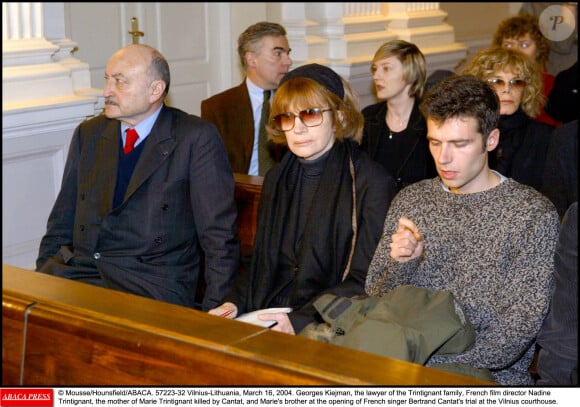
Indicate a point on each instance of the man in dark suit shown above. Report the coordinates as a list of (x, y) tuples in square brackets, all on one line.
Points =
[(132, 218), (264, 54)]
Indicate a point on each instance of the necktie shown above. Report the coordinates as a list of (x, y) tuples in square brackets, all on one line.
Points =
[(130, 140), (264, 159)]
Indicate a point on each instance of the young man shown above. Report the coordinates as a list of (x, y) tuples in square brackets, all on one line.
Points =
[(486, 238), (236, 112), (131, 215)]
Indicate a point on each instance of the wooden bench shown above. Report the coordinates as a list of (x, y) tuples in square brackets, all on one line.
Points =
[(58, 332), (247, 196)]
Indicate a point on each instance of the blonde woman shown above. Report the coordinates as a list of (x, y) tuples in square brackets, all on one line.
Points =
[(395, 132), (522, 33), (517, 81)]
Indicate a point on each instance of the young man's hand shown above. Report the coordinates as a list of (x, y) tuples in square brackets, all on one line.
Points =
[(407, 242)]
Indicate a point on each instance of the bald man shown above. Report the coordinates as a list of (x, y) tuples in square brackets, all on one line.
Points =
[(144, 187)]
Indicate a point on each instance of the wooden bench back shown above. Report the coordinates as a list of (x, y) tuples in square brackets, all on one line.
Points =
[(247, 196)]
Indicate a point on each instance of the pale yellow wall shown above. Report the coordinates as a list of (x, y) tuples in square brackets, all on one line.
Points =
[(475, 23), (474, 20)]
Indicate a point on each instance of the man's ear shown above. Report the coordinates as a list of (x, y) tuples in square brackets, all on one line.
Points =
[(492, 140), (157, 90), (250, 58)]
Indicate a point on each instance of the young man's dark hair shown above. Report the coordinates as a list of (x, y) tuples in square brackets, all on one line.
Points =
[(463, 96)]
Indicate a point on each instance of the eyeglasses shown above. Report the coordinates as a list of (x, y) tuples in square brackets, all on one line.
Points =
[(310, 117), (499, 84)]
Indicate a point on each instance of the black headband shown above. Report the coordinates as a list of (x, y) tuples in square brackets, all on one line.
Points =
[(319, 73)]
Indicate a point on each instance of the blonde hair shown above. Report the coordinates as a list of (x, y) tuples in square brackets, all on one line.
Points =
[(489, 61), (413, 61), (301, 93)]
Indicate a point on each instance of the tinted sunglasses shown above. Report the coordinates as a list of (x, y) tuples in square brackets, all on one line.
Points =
[(499, 84), (310, 117)]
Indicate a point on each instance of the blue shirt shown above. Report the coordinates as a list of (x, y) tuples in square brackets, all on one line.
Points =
[(143, 128), (256, 97)]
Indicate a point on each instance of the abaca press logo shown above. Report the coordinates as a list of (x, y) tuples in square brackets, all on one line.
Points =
[(26, 397)]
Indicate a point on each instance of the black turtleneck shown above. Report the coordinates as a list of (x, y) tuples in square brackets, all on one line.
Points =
[(307, 185), (310, 172), (512, 130)]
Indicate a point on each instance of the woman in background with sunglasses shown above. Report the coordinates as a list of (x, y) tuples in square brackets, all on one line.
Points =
[(522, 33), (523, 141), (322, 208)]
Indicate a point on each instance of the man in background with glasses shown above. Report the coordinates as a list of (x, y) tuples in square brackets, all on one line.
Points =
[(237, 112)]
